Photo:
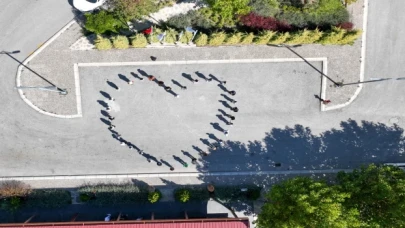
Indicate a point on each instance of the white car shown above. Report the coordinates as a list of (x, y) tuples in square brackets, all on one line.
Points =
[(87, 5)]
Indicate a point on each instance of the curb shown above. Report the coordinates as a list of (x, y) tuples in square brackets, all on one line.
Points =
[(362, 60), (28, 59), (186, 174)]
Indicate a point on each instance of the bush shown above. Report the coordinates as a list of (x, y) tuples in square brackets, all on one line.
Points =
[(155, 196), (346, 25), (253, 193), (265, 8), (102, 22), (84, 197), (248, 38), (49, 198), (348, 2), (305, 37), (120, 42), (213, 19), (258, 22), (182, 195), (113, 194), (227, 9), (233, 39), (333, 36), (133, 10), (171, 36), (186, 37), (350, 37), (139, 41), (264, 37), (152, 38), (201, 39), (103, 43), (280, 38), (191, 18), (14, 188), (11, 204), (217, 39)]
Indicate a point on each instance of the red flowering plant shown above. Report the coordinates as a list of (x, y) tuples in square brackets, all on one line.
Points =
[(268, 23)]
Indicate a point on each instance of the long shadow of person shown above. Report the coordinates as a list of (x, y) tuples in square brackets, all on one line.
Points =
[(205, 142), (123, 77), (221, 117), (112, 84), (223, 88), (200, 75), (143, 73), (136, 76), (182, 162), (177, 83), (193, 159), (187, 76), (102, 103), (105, 121), (105, 113), (166, 163), (215, 78), (212, 136), (217, 127), (227, 98), (224, 103), (106, 95), (223, 112)]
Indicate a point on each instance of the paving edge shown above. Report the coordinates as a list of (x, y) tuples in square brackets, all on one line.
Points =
[(29, 58), (362, 60), (186, 174)]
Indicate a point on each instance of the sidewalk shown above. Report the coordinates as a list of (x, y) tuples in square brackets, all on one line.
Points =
[(56, 62)]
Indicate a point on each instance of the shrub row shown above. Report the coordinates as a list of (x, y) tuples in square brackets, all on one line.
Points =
[(222, 193), (336, 36)]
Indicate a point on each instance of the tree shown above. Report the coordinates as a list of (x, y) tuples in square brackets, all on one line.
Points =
[(378, 192), (102, 22), (128, 10), (302, 202), (228, 9)]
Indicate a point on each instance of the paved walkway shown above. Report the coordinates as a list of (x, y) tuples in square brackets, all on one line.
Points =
[(56, 63)]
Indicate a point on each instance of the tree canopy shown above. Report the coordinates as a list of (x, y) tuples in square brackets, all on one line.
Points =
[(303, 202)]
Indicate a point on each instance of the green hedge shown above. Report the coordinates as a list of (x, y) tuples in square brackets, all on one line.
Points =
[(191, 193), (113, 194), (48, 198)]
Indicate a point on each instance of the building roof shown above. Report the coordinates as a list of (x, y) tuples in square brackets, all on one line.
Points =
[(181, 223)]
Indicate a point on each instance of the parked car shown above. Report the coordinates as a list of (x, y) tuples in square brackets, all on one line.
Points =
[(87, 5)]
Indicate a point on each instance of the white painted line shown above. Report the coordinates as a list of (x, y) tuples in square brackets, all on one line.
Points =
[(362, 60), (77, 90), (35, 53), (187, 174), (324, 82), (222, 61)]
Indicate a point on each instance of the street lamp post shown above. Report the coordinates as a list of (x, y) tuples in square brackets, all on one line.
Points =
[(337, 84), (53, 87)]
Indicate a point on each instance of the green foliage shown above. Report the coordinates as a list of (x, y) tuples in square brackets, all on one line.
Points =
[(324, 13), (11, 204), (303, 202), (229, 9), (128, 10), (155, 196), (103, 43), (201, 39), (113, 194), (191, 18), (139, 41), (14, 188), (120, 42), (233, 38), (348, 2), (171, 36), (186, 37), (213, 19), (182, 195), (280, 38), (165, 3), (350, 37), (305, 37), (247, 38), (102, 22), (228, 194), (265, 8), (152, 38), (217, 39), (48, 198), (264, 37), (333, 37), (84, 197), (378, 193)]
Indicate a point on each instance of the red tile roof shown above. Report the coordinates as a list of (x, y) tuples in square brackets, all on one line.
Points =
[(190, 223)]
